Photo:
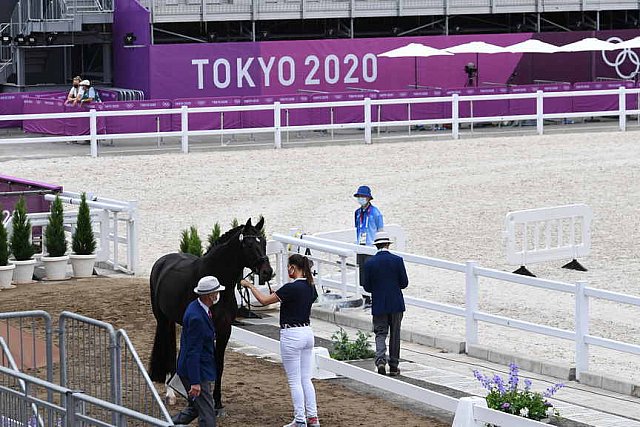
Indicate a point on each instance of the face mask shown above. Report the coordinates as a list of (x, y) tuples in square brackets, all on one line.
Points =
[(362, 201)]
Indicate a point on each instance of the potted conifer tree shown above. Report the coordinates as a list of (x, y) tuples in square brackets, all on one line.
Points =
[(21, 245), (6, 268), (55, 263), (83, 242)]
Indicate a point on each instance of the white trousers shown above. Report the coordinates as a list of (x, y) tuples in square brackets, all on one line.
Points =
[(296, 350)]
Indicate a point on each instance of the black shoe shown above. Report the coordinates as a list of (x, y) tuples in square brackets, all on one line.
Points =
[(382, 370), (394, 372)]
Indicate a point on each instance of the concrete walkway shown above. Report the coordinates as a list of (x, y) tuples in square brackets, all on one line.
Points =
[(452, 374)]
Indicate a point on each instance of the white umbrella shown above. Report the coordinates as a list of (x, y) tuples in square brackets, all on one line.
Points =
[(414, 50), (532, 46), (477, 48), (629, 44), (588, 45)]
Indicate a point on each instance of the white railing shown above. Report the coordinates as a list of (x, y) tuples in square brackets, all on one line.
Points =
[(116, 228), (322, 362), (472, 314), (278, 128)]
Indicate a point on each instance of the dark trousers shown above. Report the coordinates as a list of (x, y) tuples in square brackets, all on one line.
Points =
[(383, 325), (201, 407)]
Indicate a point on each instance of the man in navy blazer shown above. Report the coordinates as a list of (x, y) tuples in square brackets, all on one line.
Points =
[(385, 277), (196, 362)]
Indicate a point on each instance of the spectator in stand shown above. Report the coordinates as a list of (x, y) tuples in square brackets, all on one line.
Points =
[(76, 91), (89, 94)]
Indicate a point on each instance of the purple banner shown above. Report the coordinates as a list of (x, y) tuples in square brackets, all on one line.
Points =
[(137, 124), (209, 121), (131, 61)]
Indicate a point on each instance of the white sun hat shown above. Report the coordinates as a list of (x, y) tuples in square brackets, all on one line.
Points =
[(208, 285), (382, 237)]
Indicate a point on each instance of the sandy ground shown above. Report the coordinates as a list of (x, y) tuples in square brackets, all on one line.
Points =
[(450, 196), (255, 391)]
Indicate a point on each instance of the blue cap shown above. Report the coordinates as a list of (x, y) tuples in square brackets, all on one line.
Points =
[(363, 190)]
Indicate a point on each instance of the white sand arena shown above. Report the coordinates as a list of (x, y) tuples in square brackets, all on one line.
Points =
[(450, 196)]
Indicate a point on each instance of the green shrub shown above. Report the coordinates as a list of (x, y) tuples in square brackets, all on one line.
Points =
[(83, 242), (190, 242), (21, 232), (234, 223), (344, 349), (215, 234), (54, 234), (4, 243)]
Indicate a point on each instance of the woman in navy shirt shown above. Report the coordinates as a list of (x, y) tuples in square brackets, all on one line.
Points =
[(296, 336)]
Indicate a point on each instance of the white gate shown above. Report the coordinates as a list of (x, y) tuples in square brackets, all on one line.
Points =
[(548, 234)]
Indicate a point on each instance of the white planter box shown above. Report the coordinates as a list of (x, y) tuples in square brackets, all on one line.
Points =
[(55, 267), (82, 264), (6, 276), (23, 272)]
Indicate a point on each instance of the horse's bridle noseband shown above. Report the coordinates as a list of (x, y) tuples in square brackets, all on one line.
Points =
[(261, 259)]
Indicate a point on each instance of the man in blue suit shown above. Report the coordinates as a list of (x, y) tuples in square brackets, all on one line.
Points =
[(385, 277), (196, 362)]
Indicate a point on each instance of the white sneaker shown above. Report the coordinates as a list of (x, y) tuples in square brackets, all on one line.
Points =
[(295, 423), (313, 422)]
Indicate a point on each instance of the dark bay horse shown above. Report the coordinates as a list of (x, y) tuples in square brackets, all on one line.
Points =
[(173, 278)]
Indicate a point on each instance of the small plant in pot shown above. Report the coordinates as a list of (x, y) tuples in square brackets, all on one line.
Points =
[(6, 268), (21, 245), (55, 263), (83, 242)]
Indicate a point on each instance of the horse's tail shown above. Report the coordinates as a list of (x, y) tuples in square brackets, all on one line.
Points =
[(163, 354)]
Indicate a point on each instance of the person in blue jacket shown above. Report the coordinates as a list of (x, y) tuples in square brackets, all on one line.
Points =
[(368, 221), (385, 277), (196, 361)]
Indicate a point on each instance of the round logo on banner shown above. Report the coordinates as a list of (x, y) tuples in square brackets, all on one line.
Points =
[(622, 56), (129, 105)]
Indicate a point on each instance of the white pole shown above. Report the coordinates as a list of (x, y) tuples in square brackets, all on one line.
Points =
[(455, 122), (582, 329), (622, 106), (540, 112), (471, 303), (184, 121), (343, 275), (93, 131), (367, 120), (277, 129), (132, 238)]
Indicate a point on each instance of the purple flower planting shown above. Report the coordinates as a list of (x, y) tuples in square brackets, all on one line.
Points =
[(552, 390), (506, 405), (513, 377), (527, 384), (497, 380)]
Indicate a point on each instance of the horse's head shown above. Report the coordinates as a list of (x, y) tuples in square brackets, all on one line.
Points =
[(254, 250)]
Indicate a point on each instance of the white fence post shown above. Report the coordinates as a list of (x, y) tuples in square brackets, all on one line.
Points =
[(582, 329), (132, 237), (622, 107), (455, 113), (471, 304), (277, 130), (540, 112), (367, 120), (184, 122), (93, 132)]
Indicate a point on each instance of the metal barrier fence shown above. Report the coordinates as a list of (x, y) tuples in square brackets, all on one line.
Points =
[(95, 360), (67, 408), (455, 119), (581, 337)]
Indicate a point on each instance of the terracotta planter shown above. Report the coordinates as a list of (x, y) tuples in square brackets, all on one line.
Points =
[(56, 267), (82, 264), (6, 276), (23, 272)]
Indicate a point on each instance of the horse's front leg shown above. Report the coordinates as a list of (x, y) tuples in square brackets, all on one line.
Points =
[(221, 345), (170, 396)]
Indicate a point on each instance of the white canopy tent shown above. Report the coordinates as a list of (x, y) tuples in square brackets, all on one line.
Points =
[(588, 45), (477, 48), (414, 50)]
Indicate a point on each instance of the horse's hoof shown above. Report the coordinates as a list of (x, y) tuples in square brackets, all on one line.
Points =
[(221, 413)]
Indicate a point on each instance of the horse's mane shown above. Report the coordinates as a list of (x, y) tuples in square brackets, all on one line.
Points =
[(226, 237)]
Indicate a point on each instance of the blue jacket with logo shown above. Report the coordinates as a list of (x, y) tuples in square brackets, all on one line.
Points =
[(368, 221), (197, 360), (384, 277)]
